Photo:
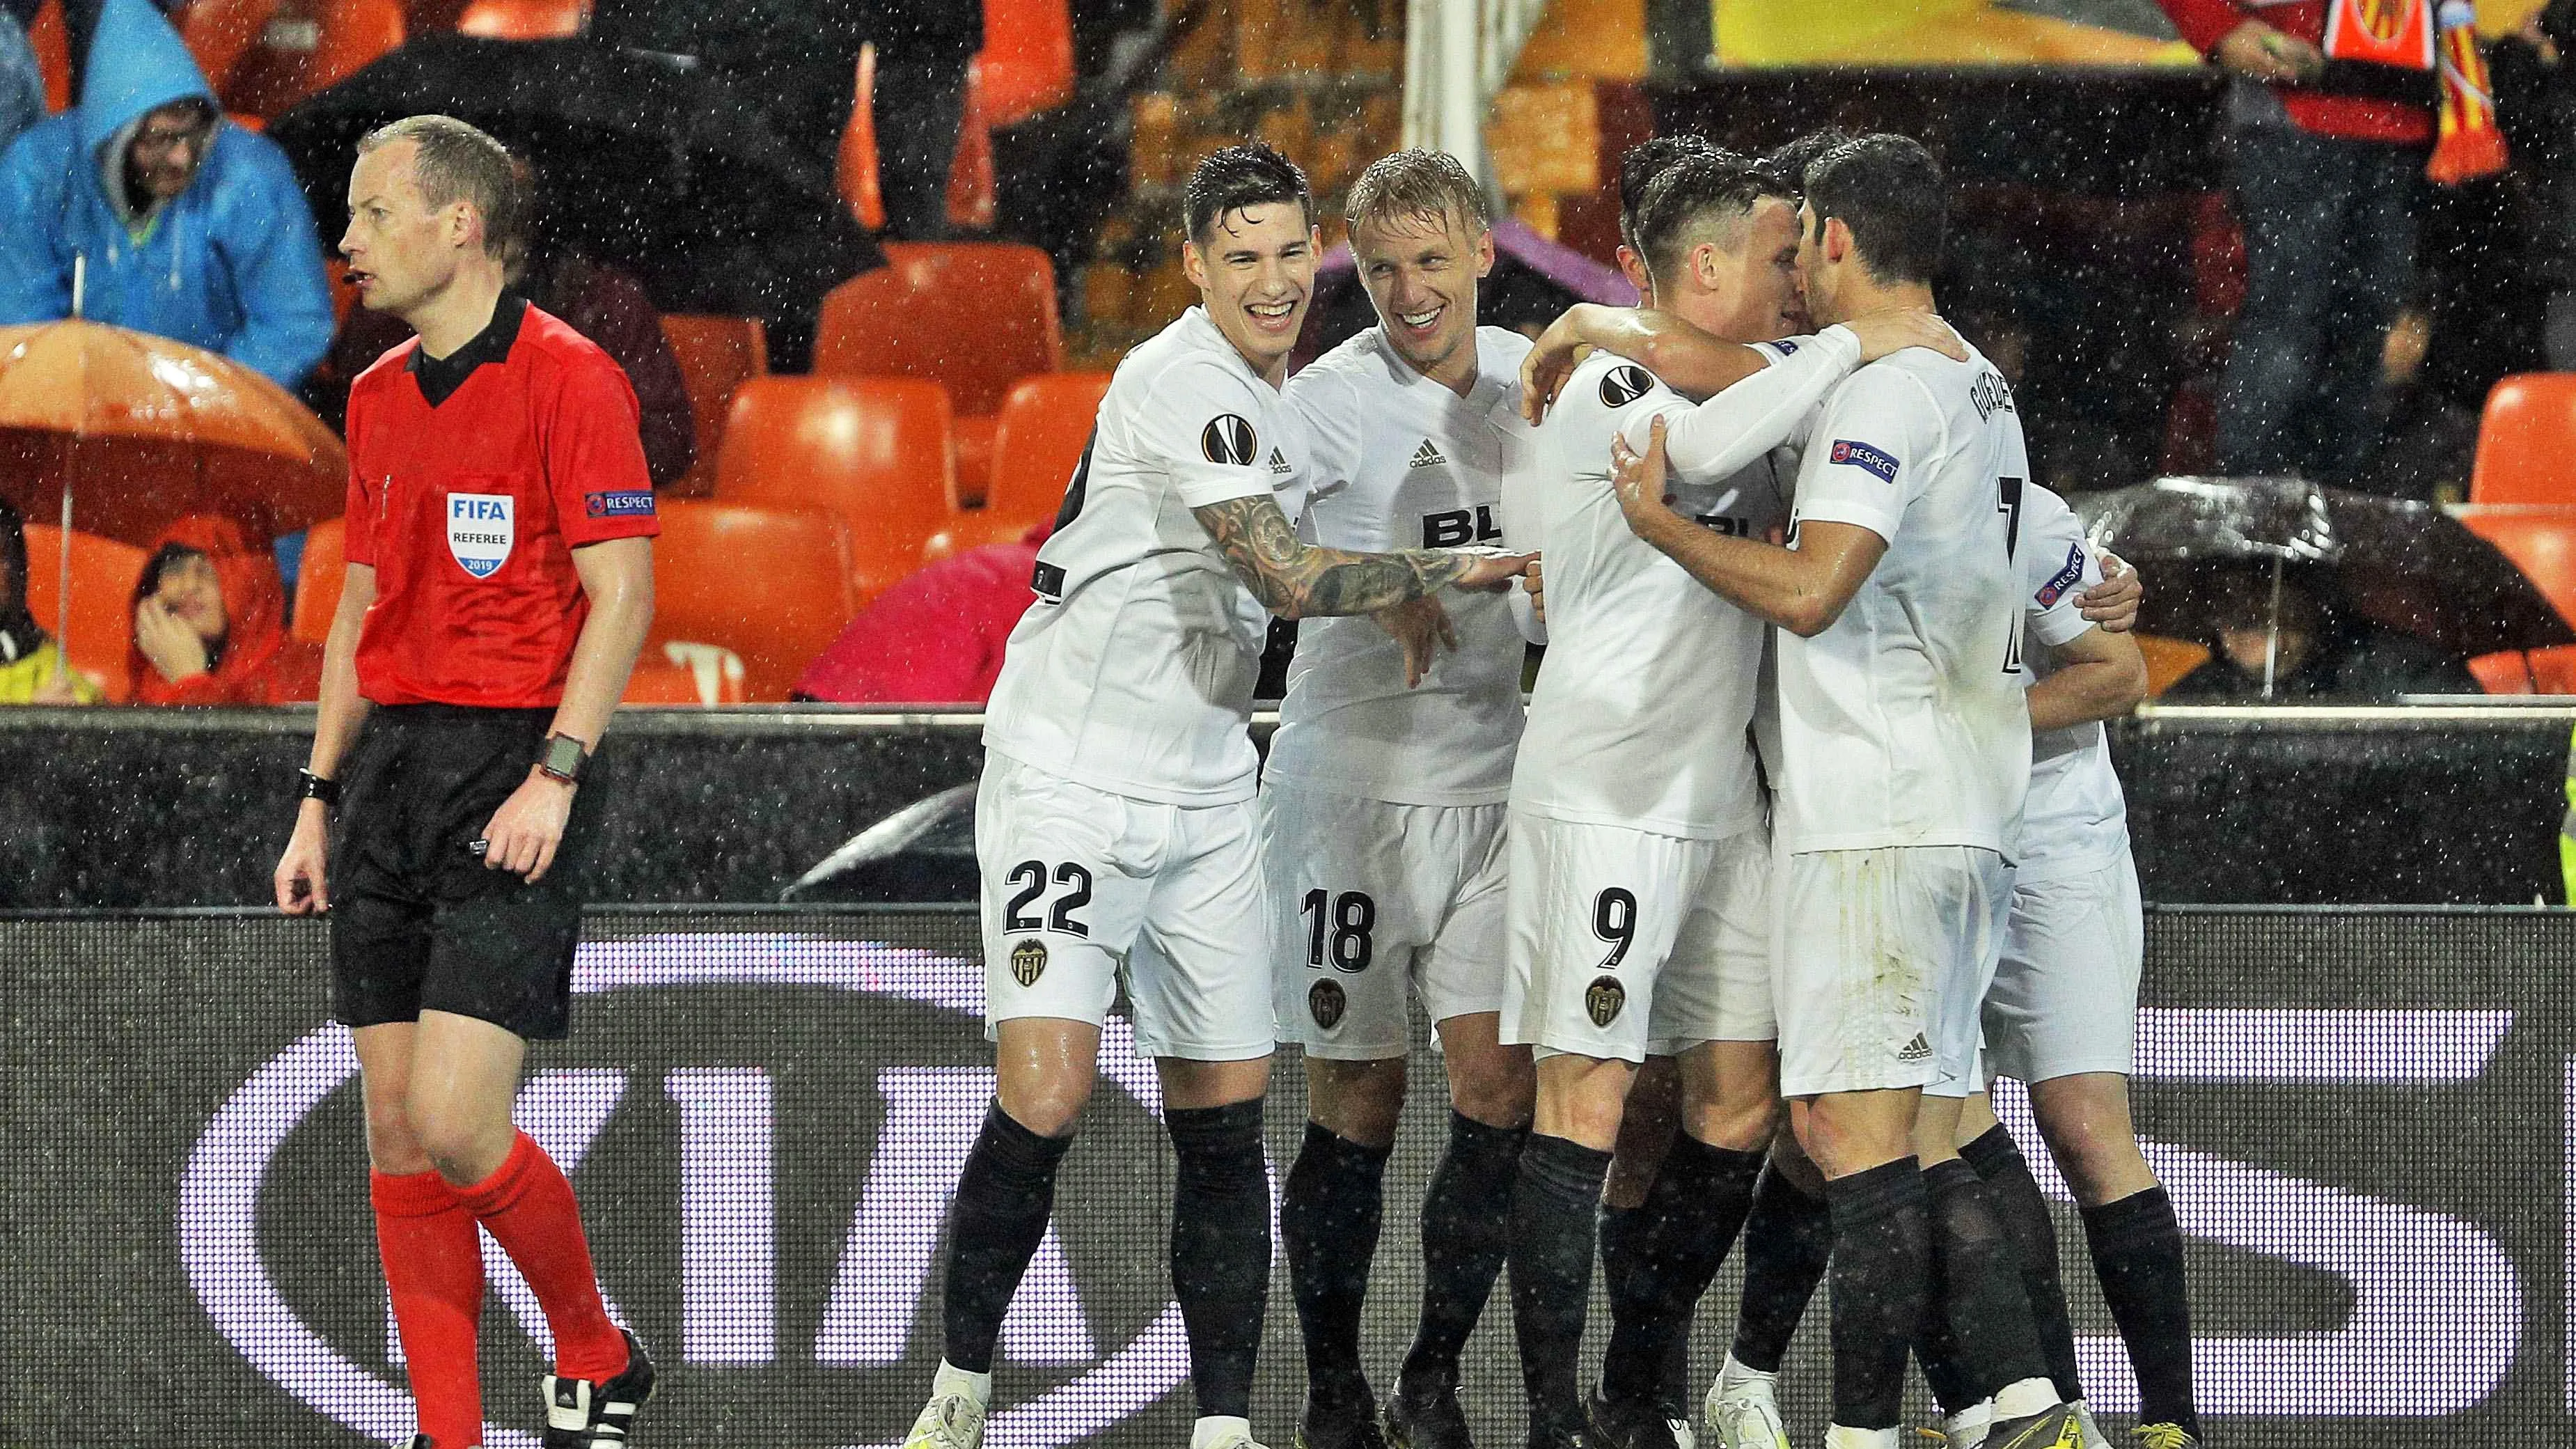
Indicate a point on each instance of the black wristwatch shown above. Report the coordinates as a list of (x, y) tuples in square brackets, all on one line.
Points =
[(311, 786), (563, 758)]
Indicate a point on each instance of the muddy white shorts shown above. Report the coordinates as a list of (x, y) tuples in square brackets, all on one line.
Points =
[(1882, 958)]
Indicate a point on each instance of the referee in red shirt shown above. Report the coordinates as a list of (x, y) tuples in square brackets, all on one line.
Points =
[(500, 580)]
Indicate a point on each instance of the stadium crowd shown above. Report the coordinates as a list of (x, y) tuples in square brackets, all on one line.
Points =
[(160, 198)]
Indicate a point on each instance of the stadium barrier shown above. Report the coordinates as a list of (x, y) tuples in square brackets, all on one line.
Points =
[(148, 808), (2363, 1116)]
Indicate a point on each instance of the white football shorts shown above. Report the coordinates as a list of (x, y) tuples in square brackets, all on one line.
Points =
[(1082, 887), (1629, 944), (2065, 996), (1882, 958), (1368, 896)]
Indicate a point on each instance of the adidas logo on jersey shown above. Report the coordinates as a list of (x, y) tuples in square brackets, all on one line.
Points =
[(1915, 1050), (1279, 464), (1425, 456)]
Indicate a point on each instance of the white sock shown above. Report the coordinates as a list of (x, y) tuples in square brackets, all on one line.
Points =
[(1975, 1417), (954, 1380), (1838, 1437), (1214, 1427), (1735, 1375), (2025, 1397)]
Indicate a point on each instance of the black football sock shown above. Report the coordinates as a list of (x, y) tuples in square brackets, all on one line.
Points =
[(1684, 1228), (1328, 1223), (994, 1226), (1553, 1203), (1978, 1281), (2014, 1195), (1220, 1248), (1626, 1281), (1788, 1243), (2137, 1253), (1466, 1229), (1882, 1259)]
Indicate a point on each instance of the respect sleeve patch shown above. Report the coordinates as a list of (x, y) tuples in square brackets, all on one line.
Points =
[(635, 503), (1865, 458), (2064, 579)]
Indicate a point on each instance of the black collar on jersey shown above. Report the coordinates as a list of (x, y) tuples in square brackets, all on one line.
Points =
[(440, 377)]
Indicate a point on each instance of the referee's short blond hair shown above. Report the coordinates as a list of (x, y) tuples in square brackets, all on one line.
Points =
[(1410, 185), (458, 162)]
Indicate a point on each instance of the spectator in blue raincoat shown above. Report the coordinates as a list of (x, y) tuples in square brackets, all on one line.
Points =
[(192, 226), (22, 85)]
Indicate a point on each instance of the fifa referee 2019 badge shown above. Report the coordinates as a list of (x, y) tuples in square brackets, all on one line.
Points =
[(480, 529)]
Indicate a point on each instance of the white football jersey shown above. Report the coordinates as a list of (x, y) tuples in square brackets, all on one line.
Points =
[(1133, 670), (2076, 820), (1903, 723), (1640, 712), (1398, 461)]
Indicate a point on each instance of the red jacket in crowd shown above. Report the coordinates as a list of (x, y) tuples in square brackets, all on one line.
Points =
[(2359, 118), (259, 664)]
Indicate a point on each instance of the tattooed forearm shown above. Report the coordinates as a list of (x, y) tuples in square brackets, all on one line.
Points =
[(1297, 580)]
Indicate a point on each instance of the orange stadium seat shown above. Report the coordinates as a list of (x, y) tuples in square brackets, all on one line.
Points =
[(317, 580), (717, 355), (874, 450), (857, 169), (2541, 543), (291, 49), (974, 188), (102, 618), (1037, 440), (2169, 660), (2538, 671), (524, 19), (770, 584), (2527, 441), (53, 47), (1027, 64), (975, 317)]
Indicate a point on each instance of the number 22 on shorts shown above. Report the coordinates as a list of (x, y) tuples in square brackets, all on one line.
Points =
[(1031, 878)]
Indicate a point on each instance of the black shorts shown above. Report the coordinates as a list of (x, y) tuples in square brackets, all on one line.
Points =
[(418, 922)]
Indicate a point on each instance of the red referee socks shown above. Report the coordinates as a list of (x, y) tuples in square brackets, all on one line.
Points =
[(434, 1266), (529, 1208)]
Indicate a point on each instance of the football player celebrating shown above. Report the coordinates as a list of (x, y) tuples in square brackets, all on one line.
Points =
[(1638, 912), (1905, 754), (1382, 807), (1114, 823)]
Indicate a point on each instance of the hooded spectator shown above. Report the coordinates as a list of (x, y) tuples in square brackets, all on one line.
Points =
[(210, 623), (31, 664), (193, 228), (936, 637)]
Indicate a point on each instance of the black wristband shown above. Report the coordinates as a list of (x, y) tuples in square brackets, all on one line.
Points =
[(313, 787)]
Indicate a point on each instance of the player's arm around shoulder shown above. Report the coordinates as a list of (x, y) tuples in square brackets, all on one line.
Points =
[(1296, 580), (2100, 675)]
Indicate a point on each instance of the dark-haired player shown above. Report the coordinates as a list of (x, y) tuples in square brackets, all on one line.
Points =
[(1115, 823), (1905, 756), (1639, 862)]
